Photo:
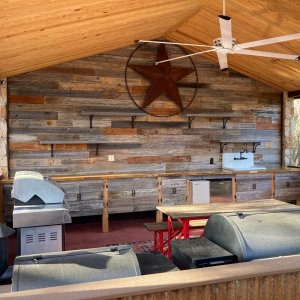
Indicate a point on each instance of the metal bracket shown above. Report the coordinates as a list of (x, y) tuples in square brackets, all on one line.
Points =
[(225, 120), (191, 119), (222, 145), (91, 121), (255, 144), (133, 118), (52, 150)]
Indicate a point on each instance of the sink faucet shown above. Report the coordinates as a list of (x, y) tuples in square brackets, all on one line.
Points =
[(241, 155)]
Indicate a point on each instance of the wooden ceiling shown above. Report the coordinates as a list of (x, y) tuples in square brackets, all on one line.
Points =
[(38, 33)]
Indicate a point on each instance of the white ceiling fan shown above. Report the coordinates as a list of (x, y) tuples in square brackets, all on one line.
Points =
[(226, 44)]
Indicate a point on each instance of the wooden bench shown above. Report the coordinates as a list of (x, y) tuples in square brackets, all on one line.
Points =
[(198, 223), (158, 228)]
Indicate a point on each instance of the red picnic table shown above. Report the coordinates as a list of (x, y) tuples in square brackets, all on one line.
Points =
[(186, 213)]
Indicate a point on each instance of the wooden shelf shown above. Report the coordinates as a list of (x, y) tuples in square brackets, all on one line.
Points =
[(132, 114), (97, 143), (223, 143), (225, 116)]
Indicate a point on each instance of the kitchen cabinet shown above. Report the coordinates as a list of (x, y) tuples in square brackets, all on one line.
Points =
[(287, 186), (253, 187), (173, 191), (132, 194)]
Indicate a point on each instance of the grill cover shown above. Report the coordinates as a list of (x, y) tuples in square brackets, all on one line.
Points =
[(256, 235), (71, 267)]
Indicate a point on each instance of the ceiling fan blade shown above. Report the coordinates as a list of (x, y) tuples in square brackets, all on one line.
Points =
[(188, 55), (226, 31), (274, 40), (173, 43), (267, 54), (222, 57)]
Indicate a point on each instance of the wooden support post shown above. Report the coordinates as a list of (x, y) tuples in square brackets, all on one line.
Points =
[(188, 192), (159, 215), (273, 186), (105, 224), (233, 187), (2, 219)]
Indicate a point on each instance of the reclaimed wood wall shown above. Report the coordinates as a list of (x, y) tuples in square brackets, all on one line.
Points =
[(48, 104)]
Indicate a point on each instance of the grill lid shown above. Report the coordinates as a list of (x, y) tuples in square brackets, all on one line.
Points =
[(256, 235), (29, 186)]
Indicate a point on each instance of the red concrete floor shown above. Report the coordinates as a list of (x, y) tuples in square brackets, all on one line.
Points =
[(123, 228), (84, 233)]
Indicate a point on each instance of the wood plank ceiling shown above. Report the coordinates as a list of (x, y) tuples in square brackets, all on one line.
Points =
[(37, 33)]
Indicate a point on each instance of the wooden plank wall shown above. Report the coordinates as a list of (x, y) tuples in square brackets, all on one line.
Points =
[(47, 105)]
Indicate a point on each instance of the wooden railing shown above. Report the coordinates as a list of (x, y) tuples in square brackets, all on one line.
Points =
[(275, 278)]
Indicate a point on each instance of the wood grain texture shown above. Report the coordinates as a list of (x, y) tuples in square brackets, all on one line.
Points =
[(155, 145)]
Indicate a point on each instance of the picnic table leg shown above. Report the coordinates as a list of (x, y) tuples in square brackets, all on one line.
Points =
[(170, 233), (186, 228)]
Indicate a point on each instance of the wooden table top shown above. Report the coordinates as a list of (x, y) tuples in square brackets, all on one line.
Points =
[(208, 209)]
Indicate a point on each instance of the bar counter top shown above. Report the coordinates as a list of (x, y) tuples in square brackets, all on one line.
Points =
[(170, 173)]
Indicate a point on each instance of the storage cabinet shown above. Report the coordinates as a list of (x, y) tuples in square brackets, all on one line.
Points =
[(173, 191), (287, 186), (253, 187), (130, 195)]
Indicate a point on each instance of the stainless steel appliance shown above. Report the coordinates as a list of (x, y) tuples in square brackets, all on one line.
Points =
[(39, 213), (211, 189), (71, 267), (240, 237)]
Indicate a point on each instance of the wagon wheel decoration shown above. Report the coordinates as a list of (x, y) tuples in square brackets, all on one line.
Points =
[(165, 89)]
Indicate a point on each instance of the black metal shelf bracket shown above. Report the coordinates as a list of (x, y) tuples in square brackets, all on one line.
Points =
[(255, 144), (225, 120), (191, 119), (91, 121), (133, 118), (52, 150), (222, 145)]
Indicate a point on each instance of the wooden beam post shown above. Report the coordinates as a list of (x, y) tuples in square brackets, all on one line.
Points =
[(3, 129), (188, 192), (273, 185), (233, 188), (105, 224), (288, 128), (159, 216)]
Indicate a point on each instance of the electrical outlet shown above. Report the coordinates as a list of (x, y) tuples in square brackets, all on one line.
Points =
[(111, 157)]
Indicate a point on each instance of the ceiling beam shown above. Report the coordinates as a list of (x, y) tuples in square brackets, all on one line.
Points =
[(295, 94)]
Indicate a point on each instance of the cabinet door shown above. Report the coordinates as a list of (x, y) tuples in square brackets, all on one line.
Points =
[(83, 198), (144, 194), (130, 195), (120, 196), (173, 191), (287, 186), (253, 187)]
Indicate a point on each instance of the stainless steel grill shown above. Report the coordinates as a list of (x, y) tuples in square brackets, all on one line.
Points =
[(39, 213)]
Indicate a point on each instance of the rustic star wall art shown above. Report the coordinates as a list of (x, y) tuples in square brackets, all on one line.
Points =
[(160, 90)]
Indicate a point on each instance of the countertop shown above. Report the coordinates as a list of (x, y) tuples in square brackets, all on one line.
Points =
[(170, 173)]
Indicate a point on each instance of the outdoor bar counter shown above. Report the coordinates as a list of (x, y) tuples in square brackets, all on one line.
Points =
[(186, 174)]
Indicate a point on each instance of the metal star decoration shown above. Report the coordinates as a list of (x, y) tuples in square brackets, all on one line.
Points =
[(163, 78)]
